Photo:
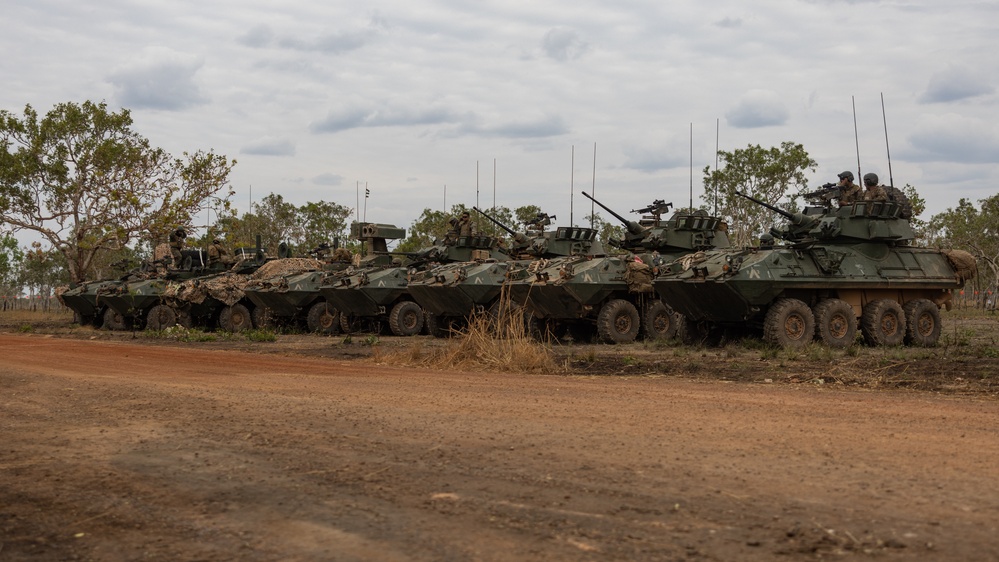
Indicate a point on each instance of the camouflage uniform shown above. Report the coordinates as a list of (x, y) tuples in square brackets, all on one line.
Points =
[(850, 193), (465, 226), (875, 193), (217, 253)]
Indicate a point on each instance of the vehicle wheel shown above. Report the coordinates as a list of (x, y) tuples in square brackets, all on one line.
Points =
[(262, 317), (835, 323), (323, 319), (235, 318), (922, 322), (580, 331), (789, 323), (618, 322), (184, 319), (883, 323), (436, 327), (345, 324), (161, 317), (114, 321), (406, 319), (659, 322), (83, 320)]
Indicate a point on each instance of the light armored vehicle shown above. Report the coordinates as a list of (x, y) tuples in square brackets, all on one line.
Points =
[(294, 296), (85, 301), (834, 269), (185, 295), (452, 293), (375, 297), (612, 295)]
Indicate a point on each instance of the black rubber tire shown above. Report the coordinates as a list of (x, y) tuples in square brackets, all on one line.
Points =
[(323, 319), (184, 319), (161, 317), (922, 323), (114, 321), (789, 323), (436, 326), (235, 318), (84, 320), (262, 318), (835, 323), (618, 322), (406, 319), (883, 323), (659, 322)]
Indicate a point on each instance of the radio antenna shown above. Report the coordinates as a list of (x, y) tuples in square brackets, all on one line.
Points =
[(856, 137), (891, 180)]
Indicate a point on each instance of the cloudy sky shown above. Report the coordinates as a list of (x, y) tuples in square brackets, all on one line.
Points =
[(407, 97)]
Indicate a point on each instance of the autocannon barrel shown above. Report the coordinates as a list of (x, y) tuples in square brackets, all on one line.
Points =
[(633, 227), (517, 236), (781, 212)]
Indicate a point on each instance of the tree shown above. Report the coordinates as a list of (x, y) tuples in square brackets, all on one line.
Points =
[(83, 180), (431, 225), (918, 205), (42, 270), (11, 258), (323, 222), (605, 230), (767, 174), (973, 230)]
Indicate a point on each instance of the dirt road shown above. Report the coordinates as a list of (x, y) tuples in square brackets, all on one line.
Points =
[(118, 451)]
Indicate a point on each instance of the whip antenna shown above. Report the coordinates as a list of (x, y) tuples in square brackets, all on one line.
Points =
[(891, 180)]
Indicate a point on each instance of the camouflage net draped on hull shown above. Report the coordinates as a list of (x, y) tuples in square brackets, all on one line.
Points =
[(964, 263), (229, 288)]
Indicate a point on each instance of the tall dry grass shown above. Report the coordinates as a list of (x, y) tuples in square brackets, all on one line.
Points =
[(501, 339)]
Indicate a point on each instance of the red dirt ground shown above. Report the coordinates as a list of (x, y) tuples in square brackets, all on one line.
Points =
[(114, 450)]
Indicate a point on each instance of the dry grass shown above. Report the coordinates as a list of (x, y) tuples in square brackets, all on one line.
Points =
[(501, 343)]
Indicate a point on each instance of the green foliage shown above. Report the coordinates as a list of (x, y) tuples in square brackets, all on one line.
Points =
[(768, 174), (11, 258), (261, 335), (972, 229), (605, 230), (85, 182)]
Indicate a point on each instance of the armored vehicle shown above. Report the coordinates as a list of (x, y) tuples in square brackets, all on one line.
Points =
[(295, 296), (451, 293), (378, 296), (612, 295), (85, 302), (186, 295), (834, 269)]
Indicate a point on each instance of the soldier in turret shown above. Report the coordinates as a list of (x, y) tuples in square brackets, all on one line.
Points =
[(874, 192), (849, 192), (465, 226), (217, 253)]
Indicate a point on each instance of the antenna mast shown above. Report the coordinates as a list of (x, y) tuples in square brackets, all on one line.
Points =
[(856, 137), (891, 180), (691, 167), (593, 187), (572, 177)]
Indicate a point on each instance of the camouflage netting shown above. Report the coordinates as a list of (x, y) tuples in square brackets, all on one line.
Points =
[(59, 291), (286, 267), (965, 265), (639, 277), (161, 251), (229, 288)]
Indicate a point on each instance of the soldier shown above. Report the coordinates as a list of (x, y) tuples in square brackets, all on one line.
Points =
[(849, 192), (464, 225), (874, 192), (217, 253)]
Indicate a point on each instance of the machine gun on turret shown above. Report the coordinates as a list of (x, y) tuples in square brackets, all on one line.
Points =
[(825, 195), (656, 209), (540, 221)]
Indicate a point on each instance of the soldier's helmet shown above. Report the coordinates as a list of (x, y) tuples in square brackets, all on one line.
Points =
[(180, 233), (870, 180), (847, 175)]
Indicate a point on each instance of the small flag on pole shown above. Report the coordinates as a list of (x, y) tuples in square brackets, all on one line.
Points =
[(367, 192)]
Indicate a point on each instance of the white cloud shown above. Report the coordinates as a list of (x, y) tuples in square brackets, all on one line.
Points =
[(269, 146), (956, 83), (953, 138), (563, 44), (758, 108), (159, 78)]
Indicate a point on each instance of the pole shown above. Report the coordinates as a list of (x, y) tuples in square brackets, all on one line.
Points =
[(572, 171), (891, 180), (593, 187), (357, 200), (856, 137), (477, 193), (716, 164), (691, 167), (494, 185)]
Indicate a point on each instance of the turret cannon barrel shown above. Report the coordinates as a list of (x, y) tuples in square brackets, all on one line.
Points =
[(633, 227), (518, 237)]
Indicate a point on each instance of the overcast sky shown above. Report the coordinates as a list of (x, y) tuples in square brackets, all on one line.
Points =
[(407, 97)]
